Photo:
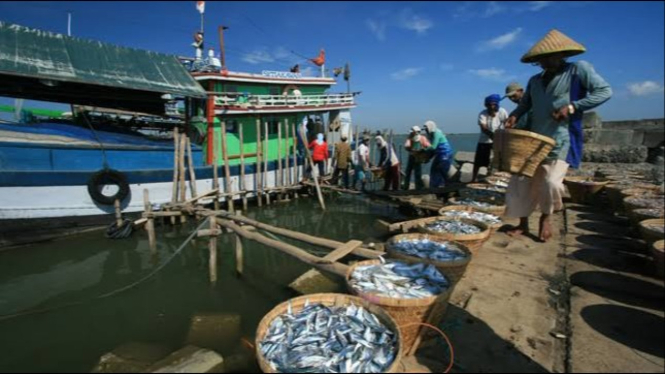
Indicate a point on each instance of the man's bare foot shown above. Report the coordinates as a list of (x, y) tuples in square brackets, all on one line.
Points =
[(517, 231), (545, 232)]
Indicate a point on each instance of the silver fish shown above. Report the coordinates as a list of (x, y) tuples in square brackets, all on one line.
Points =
[(453, 227), (399, 280), (433, 250), (487, 218)]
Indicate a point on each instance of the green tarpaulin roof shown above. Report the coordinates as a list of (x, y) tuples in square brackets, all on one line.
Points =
[(55, 59)]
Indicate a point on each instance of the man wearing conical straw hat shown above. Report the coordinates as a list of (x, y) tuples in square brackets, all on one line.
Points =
[(556, 99)]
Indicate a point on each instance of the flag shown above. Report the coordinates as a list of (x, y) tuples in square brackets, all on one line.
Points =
[(201, 6), (321, 59), (347, 72)]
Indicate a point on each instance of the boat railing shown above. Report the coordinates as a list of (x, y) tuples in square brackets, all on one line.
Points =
[(259, 101)]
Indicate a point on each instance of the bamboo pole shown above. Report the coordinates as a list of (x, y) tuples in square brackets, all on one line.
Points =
[(183, 185), (258, 178), (215, 180), (176, 153), (190, 164), (279, 154), (241, 186), (296, 171), (212, 246), (300, 254), (227, 170), (289, 179), (239, 252), (266, 156), (118, 213), (150, 225), (316, 180)]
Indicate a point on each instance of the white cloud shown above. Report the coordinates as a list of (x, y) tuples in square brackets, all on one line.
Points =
[(415, 22), (493, 74), (378, 28), (405, 74), (493, 8), (308, 71), (258, 56), (463, 11), (446, 67), (501, 41), (645, 88), (536, 6)]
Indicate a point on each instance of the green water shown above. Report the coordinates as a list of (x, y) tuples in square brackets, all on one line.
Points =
[(159, 310)]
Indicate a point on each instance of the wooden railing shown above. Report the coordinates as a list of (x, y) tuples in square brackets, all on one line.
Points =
[(263, 101)]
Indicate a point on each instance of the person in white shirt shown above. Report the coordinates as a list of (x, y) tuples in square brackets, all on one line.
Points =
[(389, 162), (491, 119), (361, 163)]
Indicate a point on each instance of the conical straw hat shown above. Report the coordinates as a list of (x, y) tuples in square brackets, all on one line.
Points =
[(553, 42)]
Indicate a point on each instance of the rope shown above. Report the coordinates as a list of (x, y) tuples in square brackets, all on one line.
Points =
[(101, 145), (6, 317), (445, 337), (124, 231)]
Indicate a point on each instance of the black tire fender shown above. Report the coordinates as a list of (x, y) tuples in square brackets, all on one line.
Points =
[(108, 176)]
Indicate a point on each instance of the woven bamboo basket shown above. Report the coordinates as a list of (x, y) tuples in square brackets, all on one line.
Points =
[(497, 210), (584, 190), (519, 151), (651, 230), (472, 241), (328, 299), (498, 181), (613, 190), (631, 203), (501, 174), (453, 270), (657, 251), (636, 191), (405, 312), (467, 208), (499, 192), (639, 215)]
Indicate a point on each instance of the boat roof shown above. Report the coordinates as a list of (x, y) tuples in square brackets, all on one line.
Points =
[(268, 77), (42, 65)]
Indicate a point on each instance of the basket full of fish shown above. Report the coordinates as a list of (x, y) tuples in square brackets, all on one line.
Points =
[(408, 292), (465, 211), (652, 230), (496, 208), (484, 192), (328, 333), (450, 258), (473, 234)]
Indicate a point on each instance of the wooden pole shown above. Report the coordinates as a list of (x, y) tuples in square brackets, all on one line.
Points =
[(176, 141), (212, 246), (266, 157), (118, 213), (289, 180), (181, 161), (190, 164), (316, 180), (215, 180), (227, 170), (242, 185), (239, 252), (296, 171), (258, 178), (300, 254), (279, 154), (150, 225)]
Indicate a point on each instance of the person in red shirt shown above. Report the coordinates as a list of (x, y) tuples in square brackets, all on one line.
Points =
[(319, 149)]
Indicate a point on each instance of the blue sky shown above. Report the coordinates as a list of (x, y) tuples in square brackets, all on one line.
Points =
[(412, 61)]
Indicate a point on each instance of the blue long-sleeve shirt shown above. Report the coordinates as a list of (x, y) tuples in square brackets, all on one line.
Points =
[(542, 100)]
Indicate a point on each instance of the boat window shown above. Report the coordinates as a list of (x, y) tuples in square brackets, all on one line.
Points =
[(274, 91)]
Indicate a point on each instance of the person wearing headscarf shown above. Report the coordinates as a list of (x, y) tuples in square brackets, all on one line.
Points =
[(389, 163), (556, 99), (319, 149), (492, 118), (415, 144), (443, 155), (361, 162)]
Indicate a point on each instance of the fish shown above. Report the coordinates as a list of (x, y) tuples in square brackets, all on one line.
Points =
[(398, 280), (321, 339), (487, 218), (475, 203), (455, 227)]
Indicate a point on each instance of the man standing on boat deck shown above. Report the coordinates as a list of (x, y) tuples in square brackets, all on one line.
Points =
[(556, 98), (342, 161), (443, 155), (389, 163), (415, 144), (492, 118), (319, 149)]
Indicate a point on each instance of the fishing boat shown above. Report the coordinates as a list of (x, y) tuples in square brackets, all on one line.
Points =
[(61, 175)]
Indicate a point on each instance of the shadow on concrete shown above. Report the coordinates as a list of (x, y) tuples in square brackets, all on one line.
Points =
[(604, 218), (634, 328), (617, 244), (604, 228), (477, 348), (624, 262), (621, 288)]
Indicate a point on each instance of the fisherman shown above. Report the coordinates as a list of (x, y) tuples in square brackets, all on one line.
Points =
[(515, 92), (443, 154), (492, 118), (556, 97), (415, 144), (390, 164), (342, 161), (361, 163), (319, 149)]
